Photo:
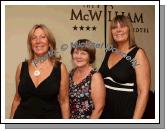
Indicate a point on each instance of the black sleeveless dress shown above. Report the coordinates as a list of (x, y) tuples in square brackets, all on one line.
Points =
[(39, 102), (121, 89)]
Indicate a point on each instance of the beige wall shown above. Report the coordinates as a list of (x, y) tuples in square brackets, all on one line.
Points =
[(20, 19)]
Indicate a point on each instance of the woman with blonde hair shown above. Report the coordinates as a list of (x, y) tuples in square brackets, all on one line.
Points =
[(41, 81)]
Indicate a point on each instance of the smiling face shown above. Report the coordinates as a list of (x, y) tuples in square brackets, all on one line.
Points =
[(39, 42), (120, 33), (80, 58)]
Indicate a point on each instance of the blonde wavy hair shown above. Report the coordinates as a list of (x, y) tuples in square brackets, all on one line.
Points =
[(50, 37)]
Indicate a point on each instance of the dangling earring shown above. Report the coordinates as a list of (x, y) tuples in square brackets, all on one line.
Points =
[(51, 52)]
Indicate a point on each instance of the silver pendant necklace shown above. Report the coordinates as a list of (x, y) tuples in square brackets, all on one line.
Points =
[(37, 72)]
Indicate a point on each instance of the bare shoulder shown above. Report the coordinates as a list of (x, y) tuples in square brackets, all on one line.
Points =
[(63, 68), (97, 82), (142, 59), (19, 68), (20, 65), (17, 75), (141, 54), (97, 76)]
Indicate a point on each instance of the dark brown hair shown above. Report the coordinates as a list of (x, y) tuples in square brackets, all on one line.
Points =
[(85, 45), (124, 20)]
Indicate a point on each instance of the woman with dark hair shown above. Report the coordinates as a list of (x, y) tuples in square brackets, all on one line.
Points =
[(86, 87), (126, 73)]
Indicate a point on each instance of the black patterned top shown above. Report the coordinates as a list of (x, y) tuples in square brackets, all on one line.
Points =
[(81, 104)]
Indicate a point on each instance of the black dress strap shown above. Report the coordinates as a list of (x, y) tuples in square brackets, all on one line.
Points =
[(59, 69), (133, 52), (24, 69), (105, 59)]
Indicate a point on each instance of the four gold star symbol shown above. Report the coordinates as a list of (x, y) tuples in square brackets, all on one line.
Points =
[(84, 28)]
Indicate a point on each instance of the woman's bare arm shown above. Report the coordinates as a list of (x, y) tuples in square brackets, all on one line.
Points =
[(98, 95), (63, 95), (143, 83), (16, 100)]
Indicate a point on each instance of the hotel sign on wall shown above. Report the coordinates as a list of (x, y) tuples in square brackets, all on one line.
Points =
[(96, 13)]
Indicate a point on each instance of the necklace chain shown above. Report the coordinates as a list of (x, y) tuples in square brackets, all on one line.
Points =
[(37, 72), (50, 53)]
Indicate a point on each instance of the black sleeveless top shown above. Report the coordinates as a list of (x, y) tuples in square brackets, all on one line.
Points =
[(39, 102), (121, 87)]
